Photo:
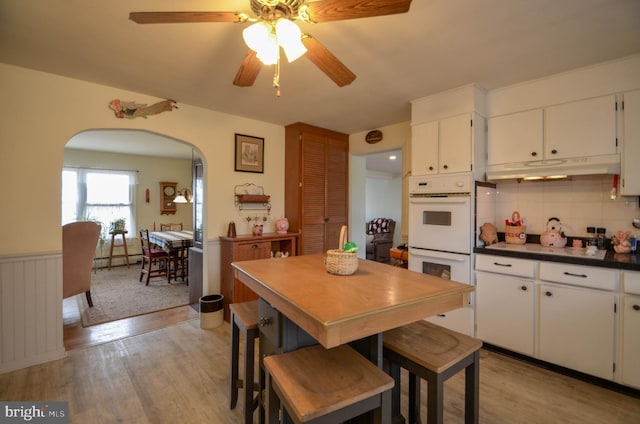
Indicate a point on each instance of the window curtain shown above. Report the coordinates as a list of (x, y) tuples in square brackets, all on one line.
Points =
[(100, 195)]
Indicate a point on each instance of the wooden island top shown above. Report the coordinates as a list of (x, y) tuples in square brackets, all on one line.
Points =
[(336, 309)]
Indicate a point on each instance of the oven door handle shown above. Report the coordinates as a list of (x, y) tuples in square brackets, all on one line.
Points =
[(440, 201), (438, 255)]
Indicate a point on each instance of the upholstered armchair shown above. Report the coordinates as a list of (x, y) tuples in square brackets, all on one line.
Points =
[(380, 239), (79, 241)]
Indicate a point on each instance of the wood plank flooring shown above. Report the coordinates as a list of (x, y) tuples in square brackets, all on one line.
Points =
[(179, 374), (76, 336)]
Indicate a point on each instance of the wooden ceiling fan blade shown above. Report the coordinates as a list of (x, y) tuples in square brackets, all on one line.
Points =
[(183, 17), (249, 70), (338, 10), (327, 62)]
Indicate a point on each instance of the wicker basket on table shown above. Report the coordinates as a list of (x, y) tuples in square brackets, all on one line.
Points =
[(339, 262)]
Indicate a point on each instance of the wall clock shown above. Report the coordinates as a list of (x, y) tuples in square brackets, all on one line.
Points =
[(167, 194)]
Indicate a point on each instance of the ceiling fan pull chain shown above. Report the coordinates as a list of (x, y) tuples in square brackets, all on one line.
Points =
[(276, 78)]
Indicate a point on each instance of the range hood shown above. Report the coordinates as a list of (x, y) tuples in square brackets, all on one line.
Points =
[(589, 165)]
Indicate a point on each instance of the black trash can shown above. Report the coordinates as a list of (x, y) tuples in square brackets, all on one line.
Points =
[(211, 311)]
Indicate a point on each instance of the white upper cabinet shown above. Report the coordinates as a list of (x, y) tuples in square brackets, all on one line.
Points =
[(443, 147), (449, 132), (582, 128), (455, 144), (630, 184), (424, 149), (516, 137), (570, 130)]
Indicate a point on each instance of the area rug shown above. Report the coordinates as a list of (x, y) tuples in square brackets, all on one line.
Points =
[(118, 294)]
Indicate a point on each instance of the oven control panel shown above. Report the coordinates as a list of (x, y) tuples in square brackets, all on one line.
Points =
[(436, 184)]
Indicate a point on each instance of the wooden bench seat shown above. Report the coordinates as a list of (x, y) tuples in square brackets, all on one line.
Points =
[(435, 354), (318, 385)]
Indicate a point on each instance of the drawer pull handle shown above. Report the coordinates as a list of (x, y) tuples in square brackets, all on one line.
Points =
[(576, 275), (254, 246), (499, 264), (263, 321), (524, 288), (549, 294), (442, 315), (636, 307)]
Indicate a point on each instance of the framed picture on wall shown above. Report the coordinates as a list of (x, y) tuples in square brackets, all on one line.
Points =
[(249, 154)]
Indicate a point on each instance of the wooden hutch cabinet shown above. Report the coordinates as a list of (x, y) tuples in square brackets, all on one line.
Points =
[(316, 185), (244, 248)]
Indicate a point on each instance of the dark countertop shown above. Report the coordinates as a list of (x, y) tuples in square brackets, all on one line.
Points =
[(612, 260)]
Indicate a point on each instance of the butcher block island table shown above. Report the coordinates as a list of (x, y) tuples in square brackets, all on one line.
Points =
[(302, 304), (337, 309)]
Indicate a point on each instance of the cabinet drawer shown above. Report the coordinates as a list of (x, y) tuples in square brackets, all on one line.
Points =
[(584, 276), (270, 323), (631, 282), (506, 265), (252, 250)]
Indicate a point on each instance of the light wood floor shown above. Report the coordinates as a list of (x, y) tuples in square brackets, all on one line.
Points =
[(76, 336), (179, 374)]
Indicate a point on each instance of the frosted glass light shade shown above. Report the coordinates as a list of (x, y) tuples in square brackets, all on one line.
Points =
[(290, 38), (270, 50), (255, 35), (260, 38)]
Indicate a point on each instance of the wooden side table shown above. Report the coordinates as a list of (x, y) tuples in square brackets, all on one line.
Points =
[(124, 244), (400, 256)]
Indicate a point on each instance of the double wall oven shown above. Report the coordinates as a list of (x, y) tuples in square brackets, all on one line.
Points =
[(441, 235)]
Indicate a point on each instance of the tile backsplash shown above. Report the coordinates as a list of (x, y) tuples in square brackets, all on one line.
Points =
[(578, 202)]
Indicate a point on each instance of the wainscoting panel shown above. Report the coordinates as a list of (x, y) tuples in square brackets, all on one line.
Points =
[(31, 330)]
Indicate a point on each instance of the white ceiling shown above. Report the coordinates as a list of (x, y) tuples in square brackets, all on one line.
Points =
[(437, 45)]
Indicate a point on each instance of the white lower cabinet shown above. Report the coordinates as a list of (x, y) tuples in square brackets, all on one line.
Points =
[(630, 330), (577, 328), (570, 315), (505, 311), (630, 366)]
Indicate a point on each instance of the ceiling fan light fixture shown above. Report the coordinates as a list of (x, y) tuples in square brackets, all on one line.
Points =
[(260, 38), (290, 38), (256, 35), (270, 51)]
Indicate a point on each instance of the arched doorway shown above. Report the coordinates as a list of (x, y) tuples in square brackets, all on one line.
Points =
[(153, 158)]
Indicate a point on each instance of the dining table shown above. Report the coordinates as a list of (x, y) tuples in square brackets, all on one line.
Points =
[(176, 244), (302, 304)]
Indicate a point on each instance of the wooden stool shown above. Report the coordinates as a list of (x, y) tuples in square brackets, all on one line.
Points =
[(124, 244), (434, 353), (244, 317), (317, 385)]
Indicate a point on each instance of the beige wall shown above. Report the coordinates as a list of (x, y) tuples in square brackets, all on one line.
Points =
[(40, 112)]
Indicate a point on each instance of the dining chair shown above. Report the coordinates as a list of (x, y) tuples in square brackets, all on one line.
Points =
[(171, 226), (155, 262), (79, 241)]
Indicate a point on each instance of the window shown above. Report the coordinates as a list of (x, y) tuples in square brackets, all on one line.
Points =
[(99, 195)]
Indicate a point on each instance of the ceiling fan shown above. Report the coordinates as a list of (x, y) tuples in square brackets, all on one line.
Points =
[(274, 27)]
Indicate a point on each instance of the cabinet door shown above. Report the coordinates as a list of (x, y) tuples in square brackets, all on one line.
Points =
[(583, 128), (631, 144), (324, 192), (516, 137), (246, 252), (505, 311), (336, 196), (454, 144), (576, 329), (424, 149), (631, 341), (313, 192)]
